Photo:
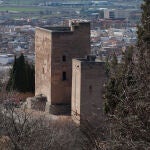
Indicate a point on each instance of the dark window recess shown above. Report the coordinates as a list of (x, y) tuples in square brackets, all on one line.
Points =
[(64, 58), (64, 77), (90, 88), (43, 70)]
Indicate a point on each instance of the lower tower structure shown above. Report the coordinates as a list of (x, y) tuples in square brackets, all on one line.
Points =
[(88, 78)]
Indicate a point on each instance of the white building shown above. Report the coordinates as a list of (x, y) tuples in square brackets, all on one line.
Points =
[(6, 59), (116, 13)]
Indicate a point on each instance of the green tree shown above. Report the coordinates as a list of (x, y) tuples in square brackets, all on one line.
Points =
[(112, 85), (117, 74), (130, 125), (21, 76)]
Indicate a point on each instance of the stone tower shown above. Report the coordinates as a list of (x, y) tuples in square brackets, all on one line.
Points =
[(88, 78), (55, 47)]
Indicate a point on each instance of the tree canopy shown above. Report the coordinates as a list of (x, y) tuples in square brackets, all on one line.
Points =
[(21, 76), (127, 96)]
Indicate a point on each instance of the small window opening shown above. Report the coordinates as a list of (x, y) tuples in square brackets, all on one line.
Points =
[(64, 77), (43, 70), (64, 58), (90, 88)]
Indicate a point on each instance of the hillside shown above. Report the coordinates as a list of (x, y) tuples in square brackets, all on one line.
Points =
[(23, 2), (35, 2)]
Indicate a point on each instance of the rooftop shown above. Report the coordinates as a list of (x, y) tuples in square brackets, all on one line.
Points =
[(90, 59), (58, 28), (72, 23)]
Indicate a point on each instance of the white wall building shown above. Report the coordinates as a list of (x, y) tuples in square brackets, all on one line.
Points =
[(116, 13), (6, 59)]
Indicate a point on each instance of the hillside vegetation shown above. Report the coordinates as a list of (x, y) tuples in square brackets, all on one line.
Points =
[(23, 2)]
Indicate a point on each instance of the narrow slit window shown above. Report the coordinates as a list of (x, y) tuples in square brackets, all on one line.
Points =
[(64, 77), (43, 70), (64, 58), (90, 89)]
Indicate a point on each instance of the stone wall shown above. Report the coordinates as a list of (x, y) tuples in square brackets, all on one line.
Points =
[(72, 45), (36, 103), (87, 90), (43, 62), (54, 53)]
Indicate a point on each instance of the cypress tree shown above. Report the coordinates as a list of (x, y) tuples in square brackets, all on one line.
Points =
[(21, 82), (117, 74), (112, 85), (21, 76), (32, 81)]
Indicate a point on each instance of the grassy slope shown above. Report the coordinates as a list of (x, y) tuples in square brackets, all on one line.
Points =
[(20, 9), (23, 2), (31, 2)]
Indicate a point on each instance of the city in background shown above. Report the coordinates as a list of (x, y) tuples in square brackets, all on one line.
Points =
[(74, 74), (113, 25)]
